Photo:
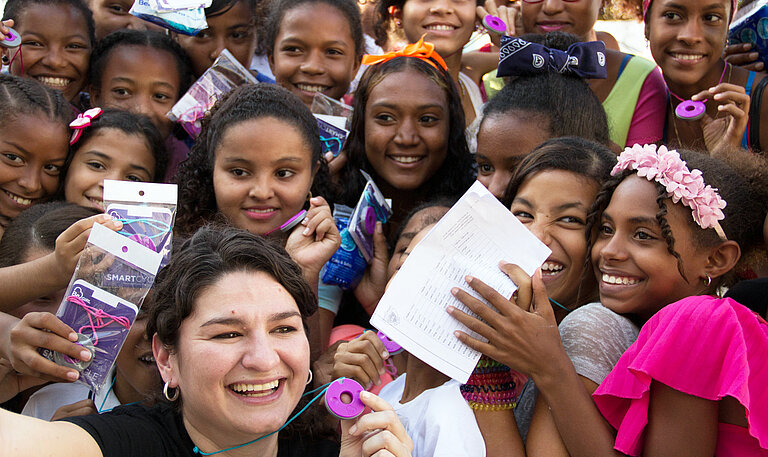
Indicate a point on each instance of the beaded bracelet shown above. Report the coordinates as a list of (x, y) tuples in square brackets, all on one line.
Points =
[(493, 386)]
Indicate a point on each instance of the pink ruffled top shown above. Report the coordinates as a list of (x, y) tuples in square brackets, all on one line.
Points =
[(704, 346)]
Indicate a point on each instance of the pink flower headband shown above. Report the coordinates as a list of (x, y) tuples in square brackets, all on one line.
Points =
[(683, 185), (83, 120)]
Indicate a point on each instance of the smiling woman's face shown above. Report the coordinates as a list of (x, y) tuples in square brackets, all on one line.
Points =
[(242, 359)]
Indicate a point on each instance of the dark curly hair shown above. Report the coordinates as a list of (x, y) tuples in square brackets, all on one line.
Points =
[(143, 38), (197, 197), (744, 213), (212, 252), (273, 12), (14, 9), (130, 124), (455, 174)]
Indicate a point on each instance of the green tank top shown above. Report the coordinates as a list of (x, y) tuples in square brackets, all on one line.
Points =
[(620, 104)]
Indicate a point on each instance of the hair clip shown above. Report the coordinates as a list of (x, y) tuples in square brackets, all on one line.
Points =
[(83, 120)]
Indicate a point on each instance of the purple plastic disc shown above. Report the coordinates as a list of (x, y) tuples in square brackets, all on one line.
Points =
[(12, 40), (294, 221), (391, 346), (336, 405), (143, 240), (690, 110), (79, 365), (494, 24), (370, 220)]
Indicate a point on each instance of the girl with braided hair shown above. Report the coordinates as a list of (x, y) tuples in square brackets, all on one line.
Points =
[(661, 233), (30, 163)]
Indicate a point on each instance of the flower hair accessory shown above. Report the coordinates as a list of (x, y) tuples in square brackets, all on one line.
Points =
[(82, 121), (420, 50), (683, 185)]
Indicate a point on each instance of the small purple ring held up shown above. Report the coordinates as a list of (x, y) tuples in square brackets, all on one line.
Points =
[(391, 347), (290, 223), (494, 24), (12, 40), (335, 403), (690, 110)]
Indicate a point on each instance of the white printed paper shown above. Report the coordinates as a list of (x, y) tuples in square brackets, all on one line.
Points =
[(471, 239)]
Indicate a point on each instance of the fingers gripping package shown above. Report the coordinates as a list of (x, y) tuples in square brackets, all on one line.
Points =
[(225, 74), (750, 25), (347, 265), (183, 16), (147, 211), (109, 285)]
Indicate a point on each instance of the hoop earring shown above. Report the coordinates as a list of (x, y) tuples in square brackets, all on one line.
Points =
[(309, 381), (708, 280), (309, 196), (168, 397), (5, 60)]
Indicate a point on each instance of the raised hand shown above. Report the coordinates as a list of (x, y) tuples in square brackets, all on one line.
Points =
[(378, 433)]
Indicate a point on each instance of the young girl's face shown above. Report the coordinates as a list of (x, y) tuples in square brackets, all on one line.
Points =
[(448, 24), (576, 17), (314, 52), (636, 273), (112, 15), (109, 154), (137, 374), (415, 225), (233, 30), (30, 163), (406, 129), (262, 173), (502, 142), (687, 38), (554, 204), (55, 47), (142, 80)]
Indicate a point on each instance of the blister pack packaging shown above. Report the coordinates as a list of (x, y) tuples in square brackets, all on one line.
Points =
[(182, 16), (347, 265), (225, 74), (750, 25), (333, 118), (147, 211), (371, 207), (109, 285)]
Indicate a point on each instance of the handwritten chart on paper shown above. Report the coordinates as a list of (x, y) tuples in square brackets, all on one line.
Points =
[(471, 239)]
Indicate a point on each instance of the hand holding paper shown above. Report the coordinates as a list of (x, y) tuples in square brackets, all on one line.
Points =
[(470, 240)]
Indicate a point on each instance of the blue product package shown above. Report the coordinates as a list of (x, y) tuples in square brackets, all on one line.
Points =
[(185, 21), (347, 265), (750, 25)]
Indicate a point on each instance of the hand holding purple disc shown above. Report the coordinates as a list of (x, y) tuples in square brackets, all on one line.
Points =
[(391, 347), (335, 401), (12, 40), (690, 110), (494, 24)]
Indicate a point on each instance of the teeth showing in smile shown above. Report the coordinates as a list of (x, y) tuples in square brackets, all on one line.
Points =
[(147, 359), (20, 200), (619, 280), (262, 211), (551, 268), (97, 202), (54, 82), (688, 56), (405, 159), (255, 390), (441, 28), (311, 87)]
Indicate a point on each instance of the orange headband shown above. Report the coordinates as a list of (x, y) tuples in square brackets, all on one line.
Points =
[(419, 50)]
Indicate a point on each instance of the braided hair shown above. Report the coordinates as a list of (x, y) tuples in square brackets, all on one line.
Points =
[(197, 196), (744, 213), (24, 96), (14, 9)]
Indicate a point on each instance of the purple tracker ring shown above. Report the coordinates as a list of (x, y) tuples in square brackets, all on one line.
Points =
[(494, 24), (336, 405), (690, 110), (294, 221), (370, 220), (391, 347), (12, 40)]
